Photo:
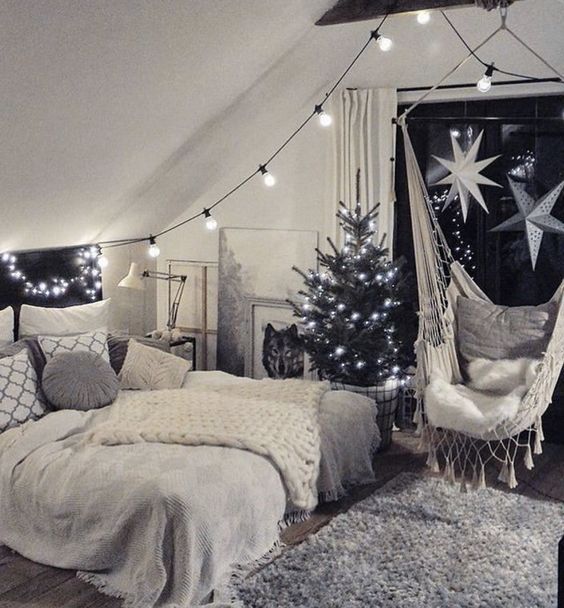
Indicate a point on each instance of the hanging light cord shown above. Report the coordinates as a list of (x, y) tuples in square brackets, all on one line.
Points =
[(374, 35), (489, 65), (122, 242)]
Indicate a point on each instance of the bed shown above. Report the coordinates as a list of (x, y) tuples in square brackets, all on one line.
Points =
[(162, 525)]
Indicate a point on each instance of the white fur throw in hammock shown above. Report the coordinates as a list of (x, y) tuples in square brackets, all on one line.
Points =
[(276, 419), (491, 397)]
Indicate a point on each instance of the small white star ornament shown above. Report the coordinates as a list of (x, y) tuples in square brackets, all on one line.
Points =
[(533, 216), (465, 175)]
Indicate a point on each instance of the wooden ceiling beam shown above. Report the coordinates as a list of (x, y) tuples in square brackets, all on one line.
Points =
[(349, 11)]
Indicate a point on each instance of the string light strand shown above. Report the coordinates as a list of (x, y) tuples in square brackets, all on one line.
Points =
[(374, 35)]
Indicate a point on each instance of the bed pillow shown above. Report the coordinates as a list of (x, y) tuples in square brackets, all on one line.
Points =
[(94, 342), (20, 396), (35, 320), (34, 352), (149, 369), (79, 381), (6, 326), (487, 331), (117, 346)]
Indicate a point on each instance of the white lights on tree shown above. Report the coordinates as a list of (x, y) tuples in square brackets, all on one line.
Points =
[(423, 17), (268, 178), (485, 82), (154, 250), (211, 222), (102, 261)]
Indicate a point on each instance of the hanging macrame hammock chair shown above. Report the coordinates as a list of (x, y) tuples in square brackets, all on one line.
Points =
[(441, 280)]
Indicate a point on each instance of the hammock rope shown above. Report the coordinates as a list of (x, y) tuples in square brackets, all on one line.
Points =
[(441, 280)]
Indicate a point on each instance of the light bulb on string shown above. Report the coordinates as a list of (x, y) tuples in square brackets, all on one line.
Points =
[(269, 179), (384, 43), (154, 250), (325, 119), (423, 17), (485, 82), (102, 261), (211, 222)]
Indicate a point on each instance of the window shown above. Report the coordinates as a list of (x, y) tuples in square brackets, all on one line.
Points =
[(528, 133)]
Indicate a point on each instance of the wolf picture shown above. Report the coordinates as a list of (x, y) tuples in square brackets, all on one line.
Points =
[(283, 352)]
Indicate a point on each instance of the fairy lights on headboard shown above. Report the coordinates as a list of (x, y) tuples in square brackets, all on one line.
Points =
[(53, 274)]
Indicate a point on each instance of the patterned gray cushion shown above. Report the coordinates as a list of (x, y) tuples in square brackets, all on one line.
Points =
[(79, 381), (94, 342), (20, 397), (34, 351), (487, 331)]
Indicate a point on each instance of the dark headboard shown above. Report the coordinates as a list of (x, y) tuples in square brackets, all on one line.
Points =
[(50, 277)]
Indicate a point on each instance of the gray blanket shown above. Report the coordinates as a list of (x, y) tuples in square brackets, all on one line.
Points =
[(159, 525)]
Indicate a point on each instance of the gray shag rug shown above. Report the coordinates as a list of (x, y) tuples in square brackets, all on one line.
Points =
[(419, 542)]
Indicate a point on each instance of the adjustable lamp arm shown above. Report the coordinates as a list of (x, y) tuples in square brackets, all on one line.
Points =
[(175, 303), (164, 276)]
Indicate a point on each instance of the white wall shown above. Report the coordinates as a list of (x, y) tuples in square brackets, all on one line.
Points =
[(131, 311), (299, 200)]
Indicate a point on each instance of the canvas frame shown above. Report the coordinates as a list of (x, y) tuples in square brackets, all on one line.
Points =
[(249, 270)]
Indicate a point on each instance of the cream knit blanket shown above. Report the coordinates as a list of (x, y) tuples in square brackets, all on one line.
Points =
[(277, 419)]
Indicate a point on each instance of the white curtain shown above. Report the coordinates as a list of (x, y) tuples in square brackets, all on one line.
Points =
[(365, 139)]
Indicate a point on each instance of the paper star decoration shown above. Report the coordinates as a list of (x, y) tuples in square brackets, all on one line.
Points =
[(533, 217), (465, 175)]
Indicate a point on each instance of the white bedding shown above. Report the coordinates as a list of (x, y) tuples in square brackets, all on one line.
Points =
[(160, 525)]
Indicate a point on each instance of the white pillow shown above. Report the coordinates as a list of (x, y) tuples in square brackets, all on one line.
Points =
[(95, 342), (6, 326), (36, 320), (150, 369)]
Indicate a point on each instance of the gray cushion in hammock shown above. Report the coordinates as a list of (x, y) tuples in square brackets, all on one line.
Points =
[(487, 331), (79, 381)]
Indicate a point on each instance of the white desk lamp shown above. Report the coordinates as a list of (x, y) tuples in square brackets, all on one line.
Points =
[(135, 280)]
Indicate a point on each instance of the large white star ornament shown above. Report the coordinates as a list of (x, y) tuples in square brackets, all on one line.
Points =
[(465, 175), (533, 216)]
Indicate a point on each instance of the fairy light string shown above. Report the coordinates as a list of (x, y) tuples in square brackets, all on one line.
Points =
[(87, 277)]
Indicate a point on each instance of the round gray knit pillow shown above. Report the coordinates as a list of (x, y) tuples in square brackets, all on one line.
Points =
[(79, 381)]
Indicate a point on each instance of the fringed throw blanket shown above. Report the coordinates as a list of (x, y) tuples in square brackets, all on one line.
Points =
[(275, 419)]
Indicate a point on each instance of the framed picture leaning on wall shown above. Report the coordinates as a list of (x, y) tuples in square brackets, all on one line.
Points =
[(275, 349), (256, 264)]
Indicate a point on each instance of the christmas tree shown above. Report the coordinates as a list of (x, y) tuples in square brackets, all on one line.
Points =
[(353, 309)]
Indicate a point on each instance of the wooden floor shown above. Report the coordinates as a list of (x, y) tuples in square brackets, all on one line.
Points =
[(25, 583)]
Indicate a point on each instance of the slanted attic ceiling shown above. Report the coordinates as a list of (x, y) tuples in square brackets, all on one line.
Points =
[(116, 115)]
